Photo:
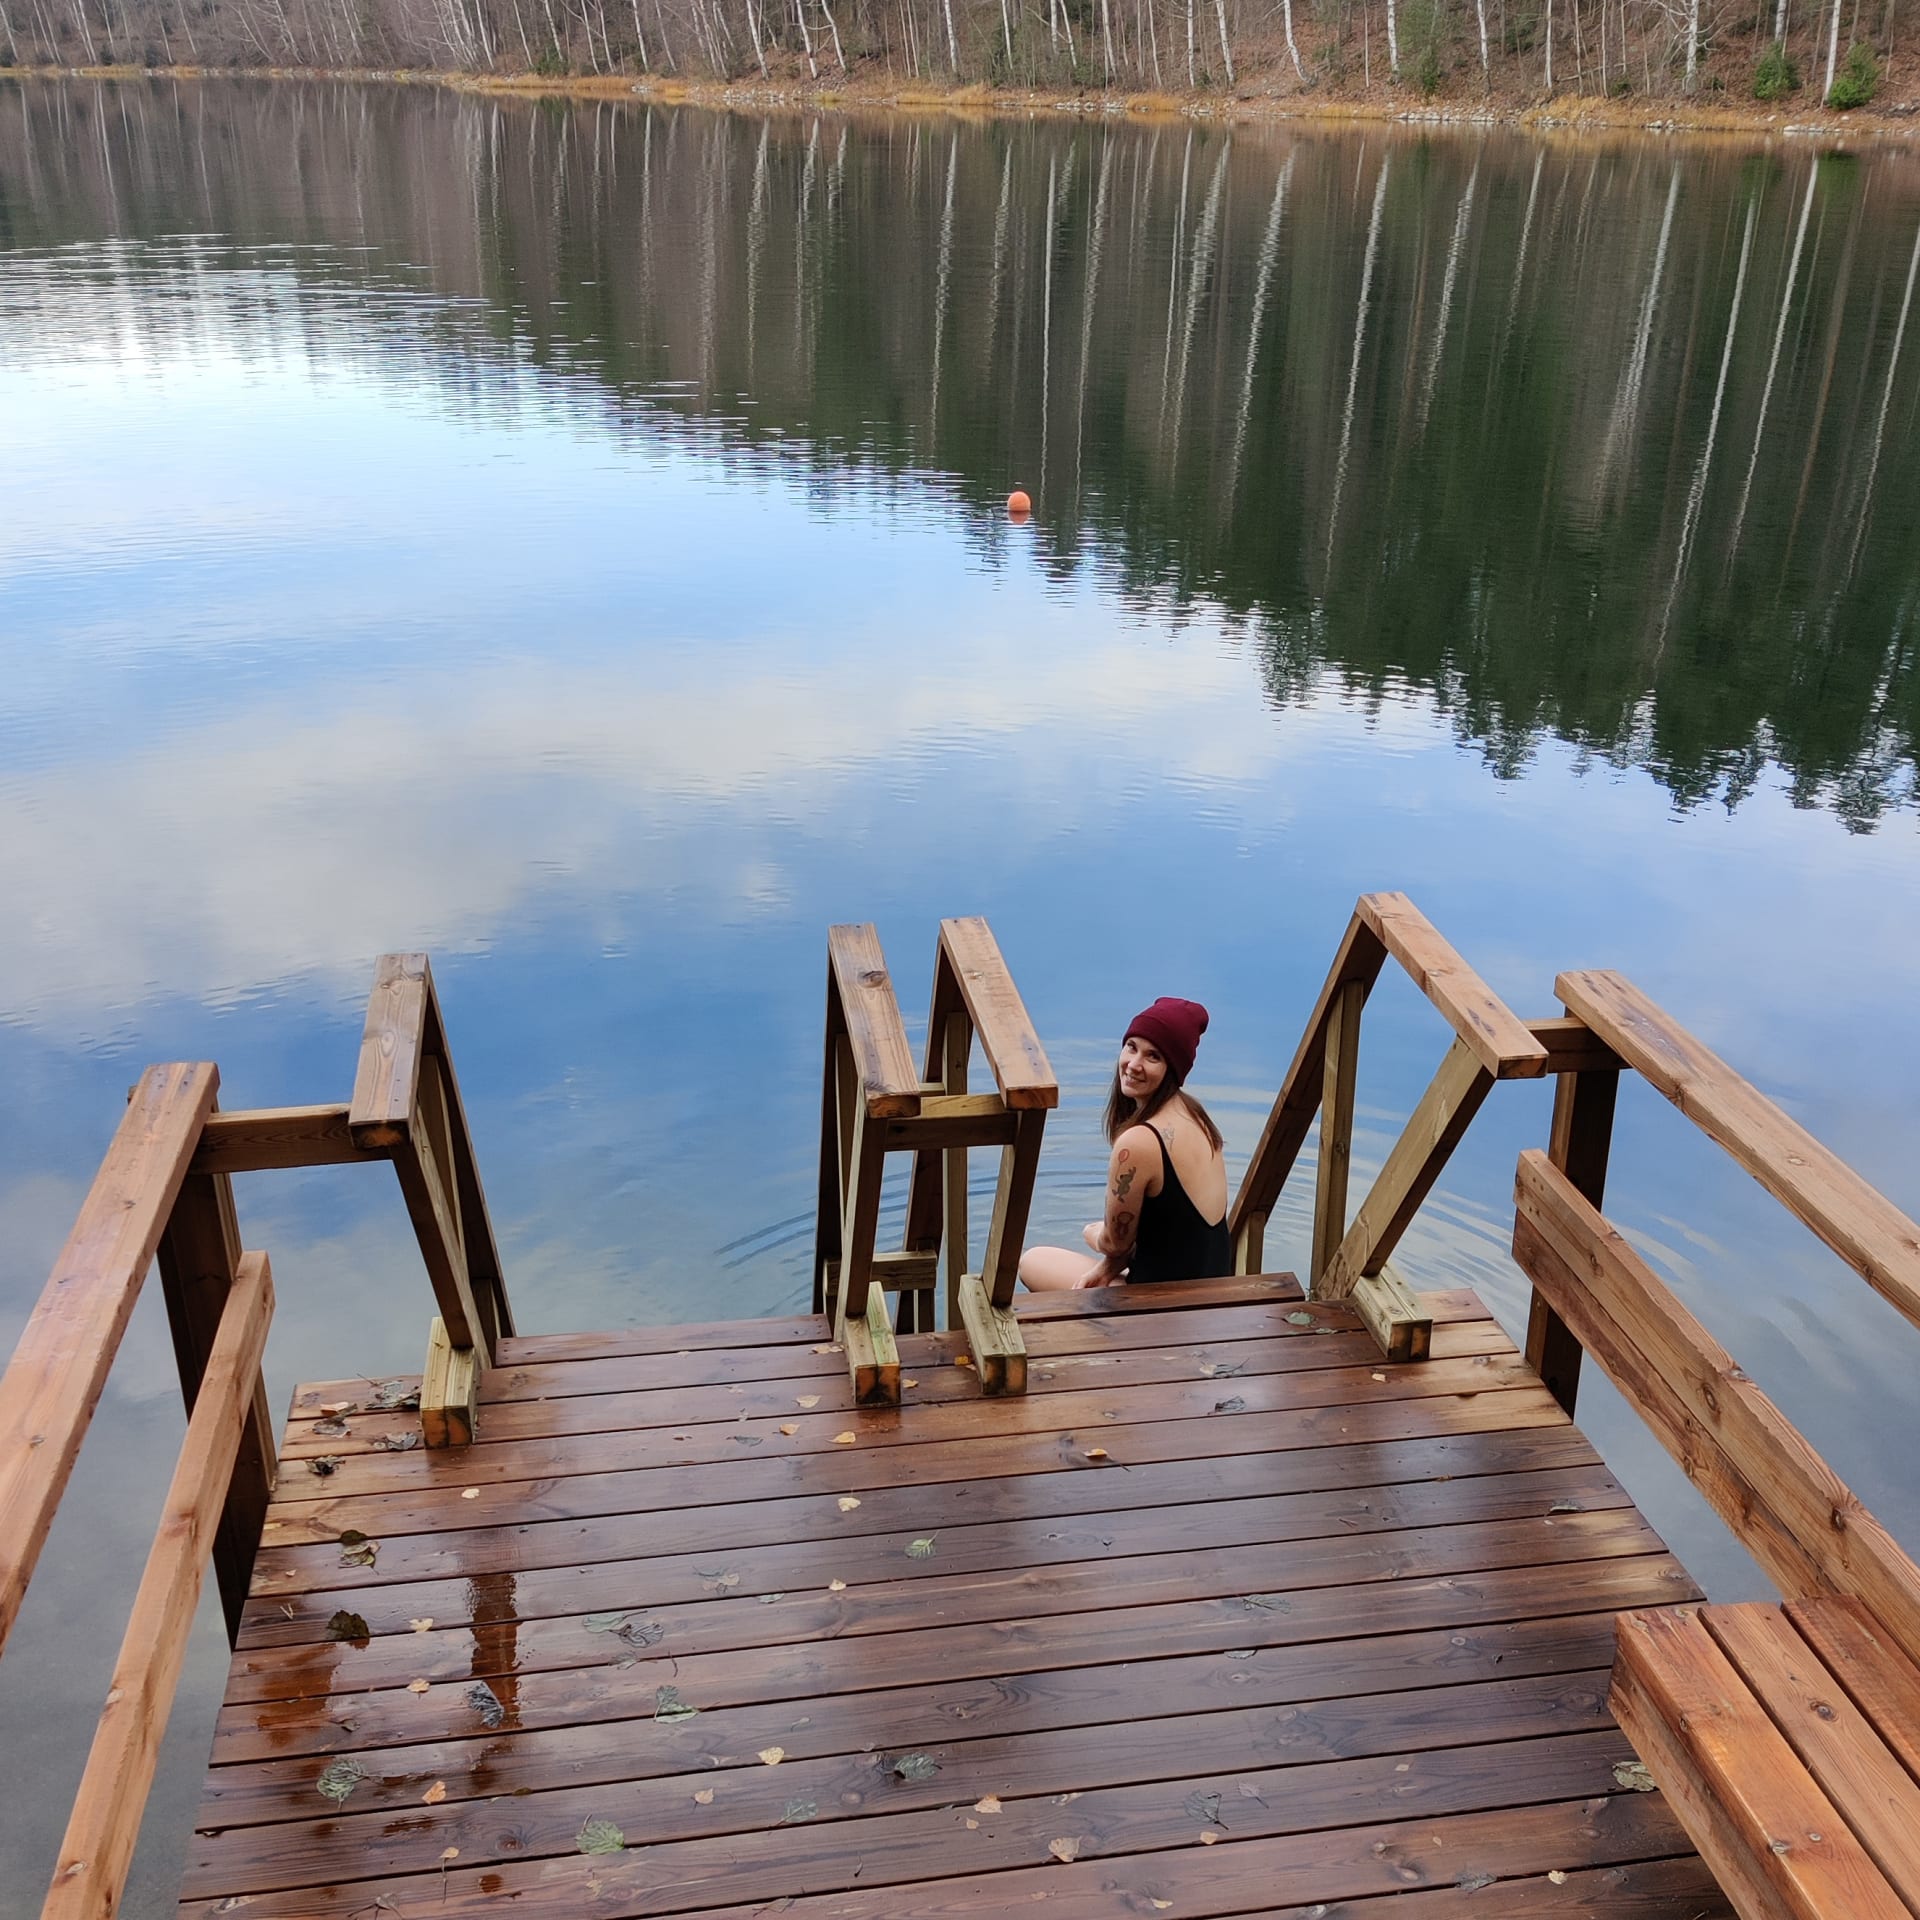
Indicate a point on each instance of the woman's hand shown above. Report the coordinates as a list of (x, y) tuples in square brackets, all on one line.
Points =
[(1106, 1274)]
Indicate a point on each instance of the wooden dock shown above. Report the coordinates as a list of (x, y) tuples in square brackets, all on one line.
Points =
[(1225, 1615), (1226, 1598)]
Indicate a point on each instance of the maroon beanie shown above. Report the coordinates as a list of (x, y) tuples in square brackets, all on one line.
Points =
[(1174, 1027)]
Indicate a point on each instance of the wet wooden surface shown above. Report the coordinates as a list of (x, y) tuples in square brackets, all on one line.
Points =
[(1225, 1616)]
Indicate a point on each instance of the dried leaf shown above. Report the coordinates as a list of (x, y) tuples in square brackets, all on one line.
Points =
[(987, 1803), (395, 1396), (329, 1429), (1065, 1851), (1300, 1319), (1204, 1807), (469, 1493), (1241, 1653), (723, 1582), (1633, 1775), (329, 1408), (667, 1705), (1556, 1877), (1265, 1603), (487, 1704), (1233, 1405), (772, 1756), (789, 1429), (973, 1826), (419, 1686), (1160, 1906), (826, 1349), (836, 1586), (356, 1550), (1222, 1369), (848, 1503), (606, 1622), (338, 1779), (748, 1439), (1566, 1506), (1378, 1375), (399, 1442), (796, 1811), (421, 1626), (806, 1401), (704, 1798), (843, 1439), (963, 1359), (1096, 1453), (915, 1766), (434, 1794), (1208, 1837), (347, 1626), (921, 1549), (1473, 1882), (909, 1383), (600, 1836), (324, 1464), (643, 1633)]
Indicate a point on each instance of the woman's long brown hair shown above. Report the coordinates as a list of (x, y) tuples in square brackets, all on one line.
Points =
[(1123, 1112)]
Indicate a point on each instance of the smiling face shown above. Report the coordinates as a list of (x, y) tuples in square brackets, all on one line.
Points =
[(1141, 1069)]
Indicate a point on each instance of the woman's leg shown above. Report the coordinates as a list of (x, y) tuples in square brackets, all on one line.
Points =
[(1055, 1269)]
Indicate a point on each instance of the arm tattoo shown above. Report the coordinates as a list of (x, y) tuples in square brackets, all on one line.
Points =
[(1122, 1182)]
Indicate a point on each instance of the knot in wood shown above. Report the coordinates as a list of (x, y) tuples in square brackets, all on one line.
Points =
[(874, 977)]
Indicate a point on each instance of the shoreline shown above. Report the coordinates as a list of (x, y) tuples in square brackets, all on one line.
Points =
[(1562, 113)]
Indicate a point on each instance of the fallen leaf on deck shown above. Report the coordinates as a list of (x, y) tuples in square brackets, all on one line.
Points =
[(772, 1756), (797, 1810), (987, 1803), (1565, 1506), (807, 1400), (1266, 1603), (399, 1442), (421, 1626), (469, 1493), (487, 1704), (347, 1626), (704, 1798), (1096, 1453), (921, 1549), (1378, 1375), (1064, 1799), (909, 1383), (606, 1622), (434, 1794), (339, 1778), (324, 1464), (1160, 1906), (1204, 1807), (1633, 1775), (1065, 1851), (395, 1396), (356, 1550), (843, 1439), (418, 1686), (642, 1633), (667, 1705), (330, 1429), (1241, 1653), (915, 1766), (973, 1826), (963, 1359), (600, 1836), (789, 1429), (1223, 1369), (767, 1599), (330, 1408), (1300, 1319), (1208, 1837), (848, 1503), (748, 1439), (836, 1586), (449, 1853), (1558, 1878), (1248, 1791), (1233, 1405), (1473, 1882)]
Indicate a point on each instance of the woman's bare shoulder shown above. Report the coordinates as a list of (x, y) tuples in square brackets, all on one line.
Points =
[(1136, 1146)]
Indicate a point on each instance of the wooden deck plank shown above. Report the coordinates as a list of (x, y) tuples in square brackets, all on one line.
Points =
[(1345, 1587), (654, 1806), (1879, 1680)]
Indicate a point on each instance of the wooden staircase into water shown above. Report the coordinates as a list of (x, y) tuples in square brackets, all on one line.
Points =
[(1221, 1598)]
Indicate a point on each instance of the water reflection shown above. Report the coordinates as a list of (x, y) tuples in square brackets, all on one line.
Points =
[(1610, 442)]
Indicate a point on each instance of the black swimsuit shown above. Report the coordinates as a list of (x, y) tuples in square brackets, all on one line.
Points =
[(1174, 1242)]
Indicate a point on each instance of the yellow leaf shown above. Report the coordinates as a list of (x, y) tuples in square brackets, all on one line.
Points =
[(772, 1756), (420, 1626), (973, 1826), (1065, 1851), (843, 1439), (789, 1429), (988, 1803), (1160, 1906), (418, 1686), (807, 1400), (963, 1359), (848, 1503), (836, 1586), (704, 1798), (909, 1383), (1558, 1878), (1379, 1376), (449, 1853), (1096, 1453), (828, 1348), (469, 1493), (1208, 1838), (434, 1794)]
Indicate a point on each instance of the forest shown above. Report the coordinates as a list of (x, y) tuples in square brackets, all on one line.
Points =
[(1482, 54)]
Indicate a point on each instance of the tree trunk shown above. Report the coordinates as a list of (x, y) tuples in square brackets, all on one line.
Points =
[(1226, 52), (1773, 358), (1286, 15), (1106, 32), (1006, 29), (1393, 40), (1780, 22), (953, 45), (1192, 74), (806, 38), (1549, 46), (1833, 50), (1486, 63), (1693, 43)]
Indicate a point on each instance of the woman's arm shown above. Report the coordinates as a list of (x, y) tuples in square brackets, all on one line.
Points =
[(1130, 1174)]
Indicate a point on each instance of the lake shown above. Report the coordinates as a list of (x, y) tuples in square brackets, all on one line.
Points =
[(571, 539)]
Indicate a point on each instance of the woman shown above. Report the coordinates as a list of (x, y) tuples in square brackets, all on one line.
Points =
[(1166, 1215)]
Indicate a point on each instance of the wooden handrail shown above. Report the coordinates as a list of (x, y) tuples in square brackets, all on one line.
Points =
[(105, 1822), (1779, 1497), (1014, 1054), (882, 1058), (54, 1381), (1856, 1220), (270, 1137)]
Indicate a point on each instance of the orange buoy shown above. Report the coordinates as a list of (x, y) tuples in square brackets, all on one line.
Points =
[(1018, 505)]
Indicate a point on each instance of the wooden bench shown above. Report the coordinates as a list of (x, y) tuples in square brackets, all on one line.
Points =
[(1787, 1740)]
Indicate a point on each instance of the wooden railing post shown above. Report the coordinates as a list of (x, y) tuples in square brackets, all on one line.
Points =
[(1582, 1136), (956, 1041), (1336, 1122), (199, 1259)]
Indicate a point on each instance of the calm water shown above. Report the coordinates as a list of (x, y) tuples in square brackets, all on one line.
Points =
[(569, 540)]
